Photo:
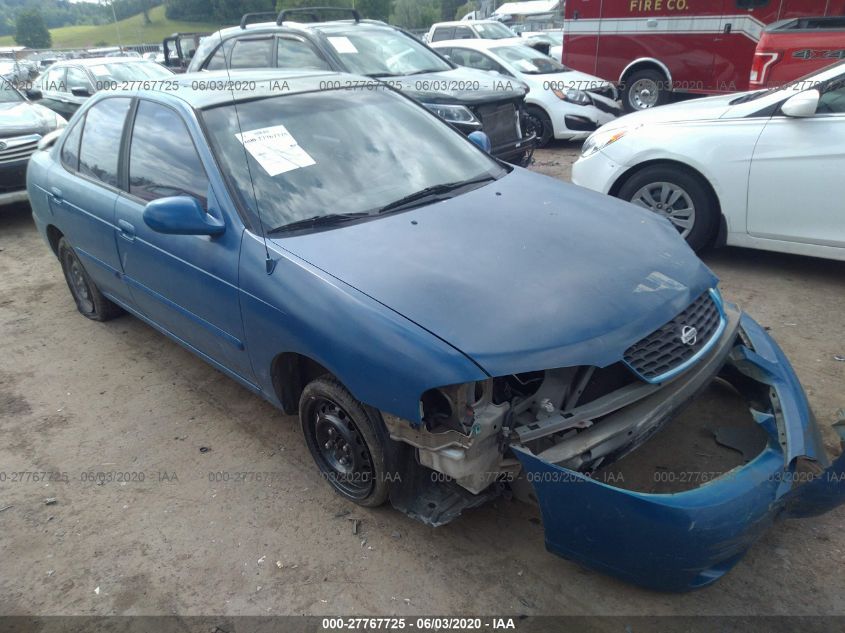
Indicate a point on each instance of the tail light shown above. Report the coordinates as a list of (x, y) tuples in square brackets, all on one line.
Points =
[(760, 68)]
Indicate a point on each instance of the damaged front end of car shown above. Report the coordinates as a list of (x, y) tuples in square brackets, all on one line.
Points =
[(672, 510)]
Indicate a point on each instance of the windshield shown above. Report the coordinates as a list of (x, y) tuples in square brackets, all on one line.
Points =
[(337, 152), (383, 53), (552, 37), (134, 71), (528, 60), (494, 31), (7, 93)]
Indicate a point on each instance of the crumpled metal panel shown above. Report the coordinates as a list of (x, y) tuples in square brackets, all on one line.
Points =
[(686, 540)]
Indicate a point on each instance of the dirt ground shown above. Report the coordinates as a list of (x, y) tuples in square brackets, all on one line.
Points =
[(79, 397)]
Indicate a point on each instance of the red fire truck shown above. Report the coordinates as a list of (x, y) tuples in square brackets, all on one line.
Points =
[(656, 47)]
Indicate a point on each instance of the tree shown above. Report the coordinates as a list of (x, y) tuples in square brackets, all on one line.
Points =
[(31, 31), (462, 10), (416, 14), (448, 9)]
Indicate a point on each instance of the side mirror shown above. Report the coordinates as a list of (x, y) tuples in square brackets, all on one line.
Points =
[(180, 215), (80, 91), (802, 105), (482, 140), (34, 94)]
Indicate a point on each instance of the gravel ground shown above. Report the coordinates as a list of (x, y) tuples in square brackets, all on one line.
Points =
[(78, 397)]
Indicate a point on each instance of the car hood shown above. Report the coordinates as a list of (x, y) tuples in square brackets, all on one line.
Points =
[(525, 273), (460, 86), (22, 117), (708, 108)]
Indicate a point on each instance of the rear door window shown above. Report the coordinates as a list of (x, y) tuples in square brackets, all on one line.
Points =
[(293, 52), (463, 33), (443, 33), (100, 147), (163, 161), (252, 53)]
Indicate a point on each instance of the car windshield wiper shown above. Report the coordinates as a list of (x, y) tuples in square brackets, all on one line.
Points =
[(332, 219), (434, 191), (380, 75)]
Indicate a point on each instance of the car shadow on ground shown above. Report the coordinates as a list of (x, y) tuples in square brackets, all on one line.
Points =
[(749, 260)]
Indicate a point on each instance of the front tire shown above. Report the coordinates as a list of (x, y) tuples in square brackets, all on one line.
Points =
[(678, 195), (541, 125), (347, 440), (90, 302), (645, 89)]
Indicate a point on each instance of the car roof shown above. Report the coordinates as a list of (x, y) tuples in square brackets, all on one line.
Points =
[(94, 61), (212, 88), (332, 25), (464, 23)]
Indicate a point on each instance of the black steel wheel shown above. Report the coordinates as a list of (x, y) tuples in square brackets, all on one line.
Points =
[(89, 300), (346, 440)]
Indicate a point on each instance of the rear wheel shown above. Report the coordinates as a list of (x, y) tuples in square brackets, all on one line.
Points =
[(346, 440), (89, 300), (645, 89), (678, 195)]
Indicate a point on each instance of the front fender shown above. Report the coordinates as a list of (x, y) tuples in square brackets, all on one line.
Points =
[(385, 360)]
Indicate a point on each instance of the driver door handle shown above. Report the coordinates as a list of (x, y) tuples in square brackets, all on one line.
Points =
[(127, 230)]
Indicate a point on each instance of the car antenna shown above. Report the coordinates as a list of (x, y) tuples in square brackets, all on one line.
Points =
[(269, 261)]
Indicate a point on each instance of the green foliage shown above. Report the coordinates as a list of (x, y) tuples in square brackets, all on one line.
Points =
[(416, 14), (462, 10), (59, 13), (372, 9), (31, 31)]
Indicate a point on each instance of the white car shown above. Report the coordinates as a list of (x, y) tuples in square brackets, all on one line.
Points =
[(759, 169), (554, 39), (562, 103), (470, 29)]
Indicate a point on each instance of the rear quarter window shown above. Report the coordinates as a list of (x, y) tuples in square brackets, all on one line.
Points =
[(70, 148)]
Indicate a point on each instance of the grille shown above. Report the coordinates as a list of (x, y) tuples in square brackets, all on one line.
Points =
[(663, 350), (500, 123), (18, 148)]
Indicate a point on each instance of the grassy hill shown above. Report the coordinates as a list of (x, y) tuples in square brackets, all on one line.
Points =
[(132, 31)]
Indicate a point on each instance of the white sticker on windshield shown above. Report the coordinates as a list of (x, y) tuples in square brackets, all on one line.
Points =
[(343, 45), (525, 65), (99, 71), (275, 149)]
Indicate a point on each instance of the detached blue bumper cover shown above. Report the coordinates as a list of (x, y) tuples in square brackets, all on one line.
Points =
[(682, 541)]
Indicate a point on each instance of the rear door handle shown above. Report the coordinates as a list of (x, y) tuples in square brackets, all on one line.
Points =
[(56, 193), (127, 230)]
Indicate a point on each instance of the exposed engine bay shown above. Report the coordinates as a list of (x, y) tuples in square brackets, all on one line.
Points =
[(581, 418)]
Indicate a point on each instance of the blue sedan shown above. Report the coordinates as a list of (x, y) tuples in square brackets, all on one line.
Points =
[(447, 327)]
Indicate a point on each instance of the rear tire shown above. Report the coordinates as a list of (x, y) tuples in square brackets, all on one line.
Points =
[(680, 196), (645, 89), (90, 302), (347, 440)]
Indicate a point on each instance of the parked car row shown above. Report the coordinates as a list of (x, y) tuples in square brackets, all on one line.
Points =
[(22, 125)]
